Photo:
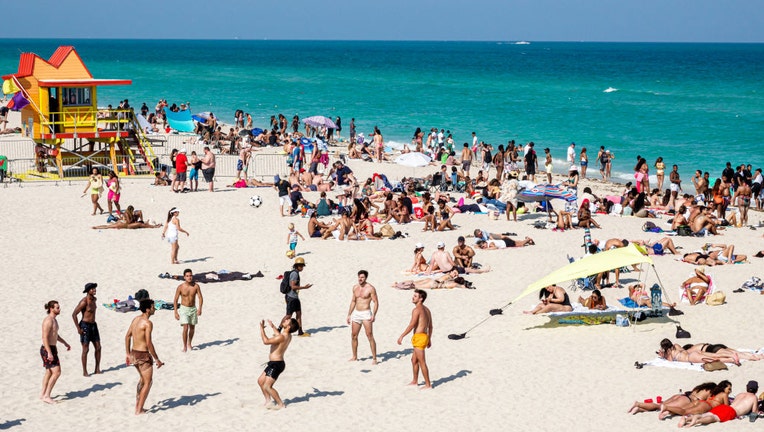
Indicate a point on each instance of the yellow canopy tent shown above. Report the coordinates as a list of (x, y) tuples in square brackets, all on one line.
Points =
[(587, 266)]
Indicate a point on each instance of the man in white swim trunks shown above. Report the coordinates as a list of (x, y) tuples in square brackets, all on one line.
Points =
[(188, 314), (360, 314)]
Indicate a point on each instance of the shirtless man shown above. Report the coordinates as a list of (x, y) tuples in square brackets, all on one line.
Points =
[(441, 261), (49, 351), (743, 404), (142, 353), (208, 168), (463, 254), (360, 313), (188, 314), (421, 323), (743, 197), (279, 343), (343, 225), (87, 327), (466, 159)]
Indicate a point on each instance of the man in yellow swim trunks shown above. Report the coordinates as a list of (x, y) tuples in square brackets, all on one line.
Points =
[(421, 323)]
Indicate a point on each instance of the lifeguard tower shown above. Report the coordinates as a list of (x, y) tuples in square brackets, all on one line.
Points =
[(71, 134)]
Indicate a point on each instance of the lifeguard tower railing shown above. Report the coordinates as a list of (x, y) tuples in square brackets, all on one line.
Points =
[(130, 152)]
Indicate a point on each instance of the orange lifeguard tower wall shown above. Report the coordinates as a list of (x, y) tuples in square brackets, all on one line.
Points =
[(63, 96)]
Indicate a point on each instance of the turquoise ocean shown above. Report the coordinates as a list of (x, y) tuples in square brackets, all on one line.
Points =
[(696, 105)]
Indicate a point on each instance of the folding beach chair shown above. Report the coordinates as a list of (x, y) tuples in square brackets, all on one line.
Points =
[(585, 283)]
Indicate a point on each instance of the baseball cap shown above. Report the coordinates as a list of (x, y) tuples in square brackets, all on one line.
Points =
[(441, 245), (419, 245), (752, 386)]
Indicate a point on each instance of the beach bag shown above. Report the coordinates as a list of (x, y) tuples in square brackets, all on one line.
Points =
[(683, 230), (716, 299), (651, 227), (714, 366), (387, 231), (682, 333), (284, 287)]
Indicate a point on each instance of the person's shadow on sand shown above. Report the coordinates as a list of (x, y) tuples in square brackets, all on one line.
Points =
[(216, 343), (171, 403), (325, 329), (115, 368), (11, 423), (385, 356), (461, 374), (316, 393), (85, 393), (193, 260)]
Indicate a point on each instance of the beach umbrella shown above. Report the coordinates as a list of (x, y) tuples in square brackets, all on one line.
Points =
[(317, 121), (546, 192), (413, 159), (201, 117), (256, 131), (244, 132), (304, 141)]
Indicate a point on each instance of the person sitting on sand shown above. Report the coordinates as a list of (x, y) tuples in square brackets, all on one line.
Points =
[(503, 243), (161, 179), (441, 260), (719, 396), (553, 299), (683, 401), (585, 219), (449, 280), (463, 254), (420, 263), (673, 352), (595, 301), (742, 404), (316, 228), (639, 294), (696, 286), (445, 214)]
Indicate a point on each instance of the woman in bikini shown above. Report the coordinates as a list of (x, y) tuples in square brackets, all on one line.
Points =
[(699, 258), (131, 219), (719, 395), (449, 280), (585, 219), (420, 263), (682, 401), (673, 352), (504, 243), (553, 299), (660, 169), (95, 187), (445, 214), (695, 287), (595, 301), (722, 349)]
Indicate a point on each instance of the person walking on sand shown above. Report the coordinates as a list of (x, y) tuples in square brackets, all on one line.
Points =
[(142, 353), (279, 343), (292, 239), (360, 314), (292, 298), (95, 188), (421, 323), (112, 198), (49, 351), (171, 231), (87, 327), (188, 314)]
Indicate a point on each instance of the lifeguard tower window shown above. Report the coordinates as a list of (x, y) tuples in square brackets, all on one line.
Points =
[(76, 96)]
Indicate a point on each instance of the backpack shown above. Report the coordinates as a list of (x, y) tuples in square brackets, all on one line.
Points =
[(285, 287)]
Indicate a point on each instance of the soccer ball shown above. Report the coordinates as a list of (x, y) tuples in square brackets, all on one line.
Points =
[(255, 201), (290, 254)]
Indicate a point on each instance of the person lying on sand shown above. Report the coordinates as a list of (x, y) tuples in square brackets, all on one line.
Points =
[(683, 401), (130, 219), (639, 294), (504, 242), (696, 286), (742, 404), (719, 396), (447, 281), (673, 352)]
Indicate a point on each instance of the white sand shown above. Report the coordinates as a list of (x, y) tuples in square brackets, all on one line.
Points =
[(514, 372)]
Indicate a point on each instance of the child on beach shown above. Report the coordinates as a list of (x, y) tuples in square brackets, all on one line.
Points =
[(292, 239)]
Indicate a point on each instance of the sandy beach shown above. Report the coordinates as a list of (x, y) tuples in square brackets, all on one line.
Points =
[(512, 372)]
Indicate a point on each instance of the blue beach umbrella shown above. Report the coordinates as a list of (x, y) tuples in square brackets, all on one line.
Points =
[(256, 131)]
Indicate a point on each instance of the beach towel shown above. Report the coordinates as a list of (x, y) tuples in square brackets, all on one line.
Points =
[(661, 362), (215, 276)]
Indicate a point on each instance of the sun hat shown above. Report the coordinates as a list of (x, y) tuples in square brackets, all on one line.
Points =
[(299, 261), (174, 210), (701, 270), (89, 286)]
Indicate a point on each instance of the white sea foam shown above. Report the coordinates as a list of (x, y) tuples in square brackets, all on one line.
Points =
[(522, 43), (610, 90)]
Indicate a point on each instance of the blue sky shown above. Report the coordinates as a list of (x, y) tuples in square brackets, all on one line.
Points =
[(507, 20)]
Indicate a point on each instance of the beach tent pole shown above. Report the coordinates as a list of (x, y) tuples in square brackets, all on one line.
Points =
[(492, 312)]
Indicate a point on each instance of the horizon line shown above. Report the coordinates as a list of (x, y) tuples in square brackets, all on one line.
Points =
[(512, 41)]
